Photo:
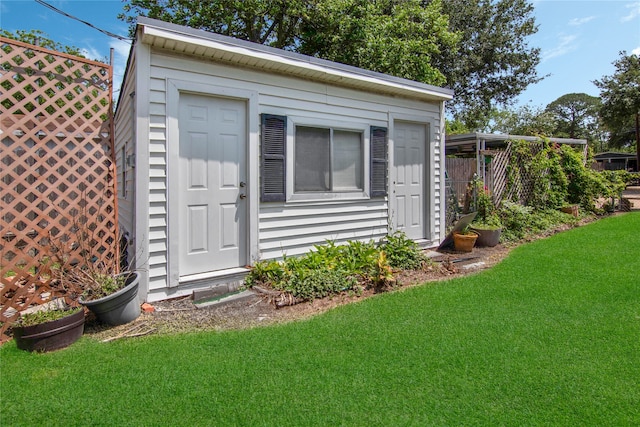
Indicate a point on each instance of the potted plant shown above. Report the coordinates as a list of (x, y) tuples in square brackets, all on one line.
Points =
[(111, 295), (49, 328), (489, 230), (464, 240), (112, 298)]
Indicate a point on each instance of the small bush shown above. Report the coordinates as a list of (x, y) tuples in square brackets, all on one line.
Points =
[(522, 221), (331, 268), (403, 253)]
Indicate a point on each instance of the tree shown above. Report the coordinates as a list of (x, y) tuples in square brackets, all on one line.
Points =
[(524, 120), (494, 63), (620, 95), (398, 38), (576, 116), (39, 38), (414, 39), (272, 22)]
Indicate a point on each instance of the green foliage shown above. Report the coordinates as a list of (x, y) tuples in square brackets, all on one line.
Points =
[(494, 63), (107, 284), (559, 176), (576, 116), (38, 37), (44, 316), (477, 48), (549, 177), (524, 120), (548, 337), (523, 221), (273, 23), (397, 38), (403, 253), (484, 204), (331, 268), (456, 127), (620, 95), (585, 185), (616, 181)]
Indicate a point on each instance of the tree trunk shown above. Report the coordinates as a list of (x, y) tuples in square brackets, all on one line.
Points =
[(638, 142)]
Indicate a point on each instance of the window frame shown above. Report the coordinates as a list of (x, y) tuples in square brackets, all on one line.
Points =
[(333, 125)]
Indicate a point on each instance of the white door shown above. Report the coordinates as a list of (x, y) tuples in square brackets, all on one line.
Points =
[(212, 174), (409, 179)]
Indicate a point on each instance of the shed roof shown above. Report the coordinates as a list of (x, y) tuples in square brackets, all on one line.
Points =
[(204, 44), (495, 138), (607, 155)]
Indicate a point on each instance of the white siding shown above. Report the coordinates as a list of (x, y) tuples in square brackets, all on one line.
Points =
[(284, 228), (124, 138)]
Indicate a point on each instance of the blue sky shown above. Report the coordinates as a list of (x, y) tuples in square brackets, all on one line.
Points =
[(579, 38)]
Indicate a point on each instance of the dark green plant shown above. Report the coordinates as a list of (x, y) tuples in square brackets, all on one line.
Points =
[(403, 253), (326, 270), (549, 181), (523, 221), (332, 268), (585, 185), (310, 284)]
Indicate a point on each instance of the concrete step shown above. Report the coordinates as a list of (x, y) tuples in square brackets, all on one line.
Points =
[(221, 300)]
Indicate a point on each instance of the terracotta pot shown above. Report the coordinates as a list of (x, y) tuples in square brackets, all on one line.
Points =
[(464, 242), (120, 307), (52, 335), (488, 237)]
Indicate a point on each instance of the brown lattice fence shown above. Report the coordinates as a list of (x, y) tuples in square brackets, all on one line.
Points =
[(57, 173), (509, 176)]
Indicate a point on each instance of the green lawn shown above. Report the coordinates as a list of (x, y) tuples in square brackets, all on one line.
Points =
[(551, 336)]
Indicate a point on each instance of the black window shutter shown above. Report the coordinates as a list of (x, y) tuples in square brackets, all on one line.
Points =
[(379, 161), (273, 145)]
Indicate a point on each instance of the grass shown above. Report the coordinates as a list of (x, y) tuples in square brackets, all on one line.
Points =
[(551, 336)]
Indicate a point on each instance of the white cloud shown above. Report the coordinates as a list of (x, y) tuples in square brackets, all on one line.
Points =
[(636, 51), (633, 13), (565, 46), (93, 54), (575, 22)]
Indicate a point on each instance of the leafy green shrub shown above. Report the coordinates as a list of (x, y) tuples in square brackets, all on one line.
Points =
[(309, 284), (331, 268), (549, 178), (522, 221), (326, 270), (403, 253), (584, 184)]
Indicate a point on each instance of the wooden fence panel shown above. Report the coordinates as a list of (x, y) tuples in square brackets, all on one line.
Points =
[(57, 173), (460, 172)]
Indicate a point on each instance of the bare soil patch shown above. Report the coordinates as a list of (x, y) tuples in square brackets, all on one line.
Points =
[(182, 316)]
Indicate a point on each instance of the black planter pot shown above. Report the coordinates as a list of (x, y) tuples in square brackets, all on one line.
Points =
[(120, 307), (52, 335), (487, 237)]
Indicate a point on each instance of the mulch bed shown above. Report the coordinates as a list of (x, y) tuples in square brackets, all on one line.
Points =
[(182, 316)]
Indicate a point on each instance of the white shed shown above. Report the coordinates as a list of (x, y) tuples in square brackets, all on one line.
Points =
[(230, 151)]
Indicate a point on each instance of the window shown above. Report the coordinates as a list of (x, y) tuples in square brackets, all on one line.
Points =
[(326, 163), (328, 160)]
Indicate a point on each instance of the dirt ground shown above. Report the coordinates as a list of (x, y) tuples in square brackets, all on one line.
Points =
[(632, 193), (182, 316)]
